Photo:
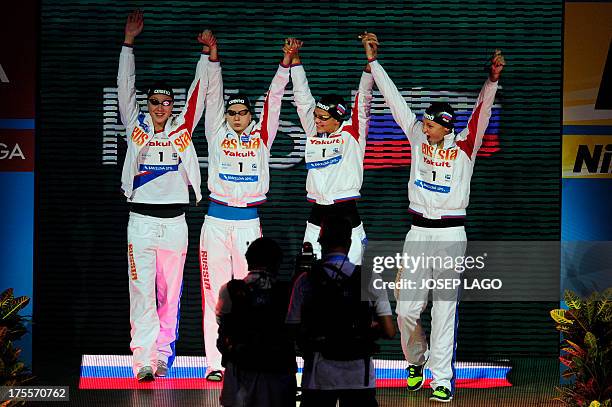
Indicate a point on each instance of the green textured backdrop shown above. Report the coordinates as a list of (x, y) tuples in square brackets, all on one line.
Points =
[(81, 289)]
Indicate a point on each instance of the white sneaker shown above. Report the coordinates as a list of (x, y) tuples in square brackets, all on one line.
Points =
[(162, 369)]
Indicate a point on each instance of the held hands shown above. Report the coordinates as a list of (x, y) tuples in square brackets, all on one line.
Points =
[(496, 66), (292, 46), (370, 45), (209, 41), (291, 49), (133, 26)]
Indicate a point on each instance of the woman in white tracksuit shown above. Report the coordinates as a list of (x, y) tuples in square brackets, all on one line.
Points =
[(335, 150), (159, 166), (441, 169), (238, 180)]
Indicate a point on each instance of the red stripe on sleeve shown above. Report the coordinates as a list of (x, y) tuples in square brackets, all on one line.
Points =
[(353, 129), (467, 145), (190, 113), (264, 122)]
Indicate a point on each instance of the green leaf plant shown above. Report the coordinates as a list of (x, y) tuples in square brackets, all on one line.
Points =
[(586, 349), (13, 372)]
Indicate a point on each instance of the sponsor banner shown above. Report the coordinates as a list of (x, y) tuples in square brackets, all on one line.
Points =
[(587, 156), (587, 129), (587, 148), (16, 150), (587, 64)]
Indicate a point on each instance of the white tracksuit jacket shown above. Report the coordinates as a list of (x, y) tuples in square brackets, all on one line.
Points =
[(440, 178), (238, 169), (335, 162), (140, 129)]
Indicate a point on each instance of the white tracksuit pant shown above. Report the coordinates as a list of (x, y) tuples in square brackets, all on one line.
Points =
[(157, 248), (358, 241), (223, 244), (440, 358)]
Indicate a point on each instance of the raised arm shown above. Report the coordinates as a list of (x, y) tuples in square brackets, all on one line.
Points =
[(126, 77), (214, 119), (470, 139), (363, 99), (402, 114), (304, 101), (194, 107), (269, 118)]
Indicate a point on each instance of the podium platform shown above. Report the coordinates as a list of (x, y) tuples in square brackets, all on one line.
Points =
[(189, 372)]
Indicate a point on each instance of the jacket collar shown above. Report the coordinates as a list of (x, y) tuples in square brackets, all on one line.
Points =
[(449, 140), (336, 132), (147, 124), (248, 129)]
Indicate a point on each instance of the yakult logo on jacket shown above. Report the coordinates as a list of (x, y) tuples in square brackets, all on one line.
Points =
[(230, 153), (157, 143), (324, 141)]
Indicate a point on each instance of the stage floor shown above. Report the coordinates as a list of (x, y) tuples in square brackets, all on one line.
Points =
[(387, 397)]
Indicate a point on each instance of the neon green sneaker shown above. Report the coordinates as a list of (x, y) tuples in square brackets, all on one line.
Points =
[(441, 394), (415, 377)]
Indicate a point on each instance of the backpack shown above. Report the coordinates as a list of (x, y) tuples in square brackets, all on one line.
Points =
[(253, 335), (335, 321)]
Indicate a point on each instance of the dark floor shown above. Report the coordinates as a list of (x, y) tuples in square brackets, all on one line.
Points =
[(534, 381)]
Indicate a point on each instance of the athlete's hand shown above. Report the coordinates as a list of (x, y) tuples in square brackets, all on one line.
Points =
[(209, 44), (133, 26), (370, 44), (497, 65), (208, 40)]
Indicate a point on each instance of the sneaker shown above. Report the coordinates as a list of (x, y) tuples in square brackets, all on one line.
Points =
[(415, 377), (145, 374), (215, 376), (162, 369), (441, 394)]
